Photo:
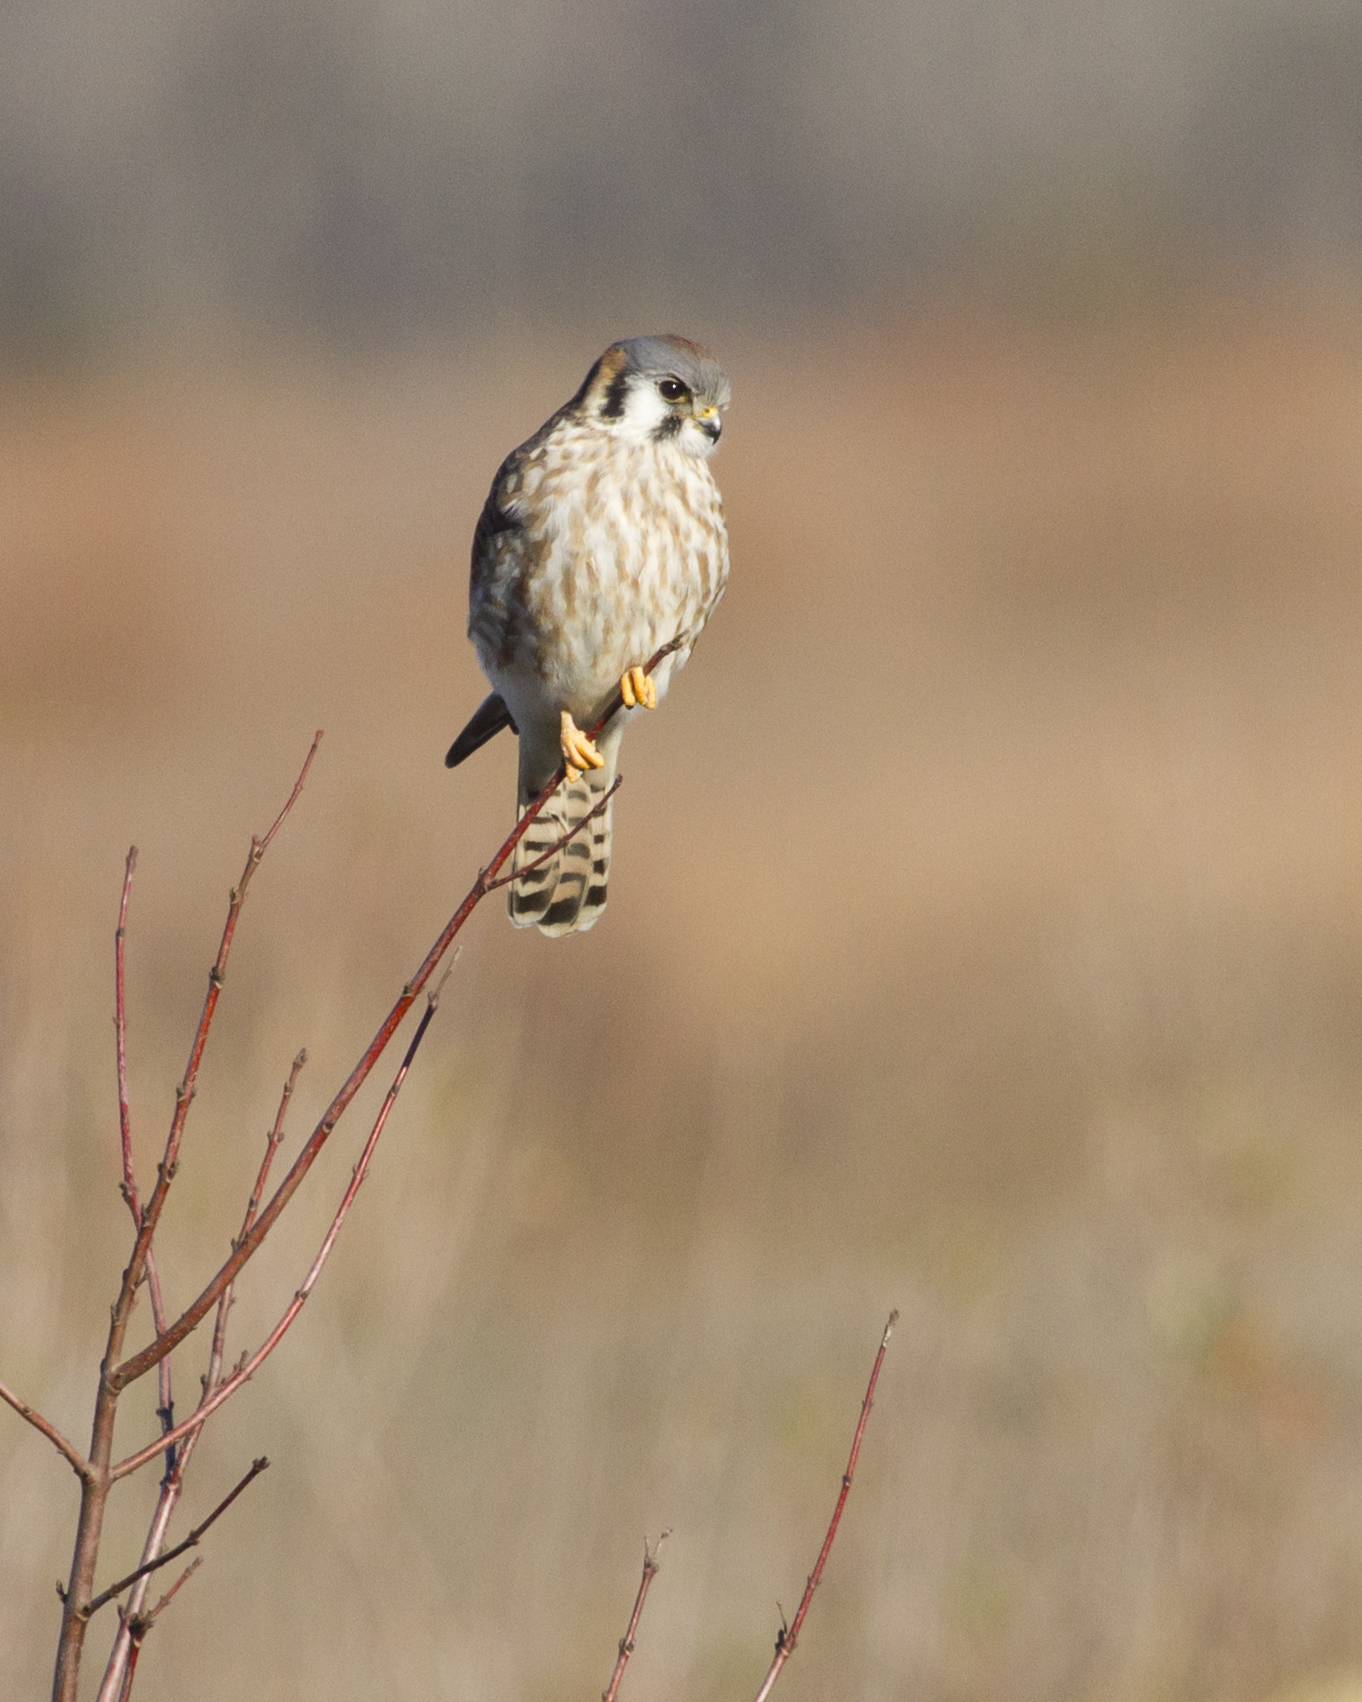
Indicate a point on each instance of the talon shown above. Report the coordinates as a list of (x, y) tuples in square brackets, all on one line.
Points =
[(578, 750), (637, 688)]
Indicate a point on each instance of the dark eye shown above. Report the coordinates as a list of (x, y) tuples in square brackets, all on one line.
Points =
[(673, 390)]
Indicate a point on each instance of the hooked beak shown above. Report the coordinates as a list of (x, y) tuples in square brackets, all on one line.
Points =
[(710, 422)]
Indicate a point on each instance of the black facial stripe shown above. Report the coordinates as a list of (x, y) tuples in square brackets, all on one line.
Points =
[(668, 428), (613, 406), (584, 390)]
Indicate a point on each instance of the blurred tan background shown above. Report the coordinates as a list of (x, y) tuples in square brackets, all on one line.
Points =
[(984, 937)]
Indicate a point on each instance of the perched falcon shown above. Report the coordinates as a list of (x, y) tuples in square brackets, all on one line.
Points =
[(602, 540)]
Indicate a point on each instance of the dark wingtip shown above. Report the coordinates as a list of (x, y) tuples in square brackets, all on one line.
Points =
[(486, 722)]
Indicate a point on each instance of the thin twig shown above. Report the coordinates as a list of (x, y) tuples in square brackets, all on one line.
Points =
[(121, 1030), (247, 1370), (184, 1094), (191, 1541), (116, 1683), (165, 1408), (554, 849), (650, 1570), (272, 1144), (140, 1363), (138, 1624), (788, 1636), (149, 1619), (79, 1464), (98, 1478)]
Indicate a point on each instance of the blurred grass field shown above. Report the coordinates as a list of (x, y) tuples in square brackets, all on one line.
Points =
[(984, 939)]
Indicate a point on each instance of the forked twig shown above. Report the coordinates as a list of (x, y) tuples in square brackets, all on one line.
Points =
[(97, 1470), (650, 1571), (138, 1624), (167, 1340), (228, 1387), (97, 1477), (787, 1636), (191, 1541)]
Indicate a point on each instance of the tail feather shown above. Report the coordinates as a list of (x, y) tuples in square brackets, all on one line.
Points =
[(566, 893)]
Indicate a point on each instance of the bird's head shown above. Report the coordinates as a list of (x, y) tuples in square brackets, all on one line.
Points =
[(659, 390)]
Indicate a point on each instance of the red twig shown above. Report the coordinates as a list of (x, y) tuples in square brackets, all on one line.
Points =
[(77, 1460), (97, 1477), (650, 1570), (138, 1624), (191, 1541), (272, 1143), (165, 1397), (98, 1473), (121, 1029), (149, 1619), (117, 1681), (788, 1636), (230, 1385), (557, 846), (184, 1094), (169, 1339)]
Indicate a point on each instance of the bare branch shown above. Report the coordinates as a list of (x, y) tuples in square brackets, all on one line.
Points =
[(149, 1619), (788, 1635), (184, 1094), (191, 1541), (79, 1464), (167, 1340), (212, 1401), (165, 1398), (121, 1028), (650, 1570), (272, 1140), (272, 1143), (136, 1626), (96, 1479)]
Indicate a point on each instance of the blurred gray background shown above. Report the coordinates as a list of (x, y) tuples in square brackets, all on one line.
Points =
[(369, 170), (984, 935)]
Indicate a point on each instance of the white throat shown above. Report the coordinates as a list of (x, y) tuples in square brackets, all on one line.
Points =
[(645, 411)]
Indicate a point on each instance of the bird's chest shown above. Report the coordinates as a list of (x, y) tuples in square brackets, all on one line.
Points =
[(629, 556)]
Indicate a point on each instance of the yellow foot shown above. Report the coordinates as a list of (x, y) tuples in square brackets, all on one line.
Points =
[(578, 750), (637, 690)]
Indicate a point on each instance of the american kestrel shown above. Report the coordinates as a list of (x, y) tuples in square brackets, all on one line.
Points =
[(602, 540)]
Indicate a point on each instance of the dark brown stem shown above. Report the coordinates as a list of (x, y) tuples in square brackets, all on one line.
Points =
[(650, 1570), (191, 1541), (788, 1636)]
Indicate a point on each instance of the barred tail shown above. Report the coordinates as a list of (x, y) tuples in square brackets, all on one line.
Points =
[(565, 894)]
